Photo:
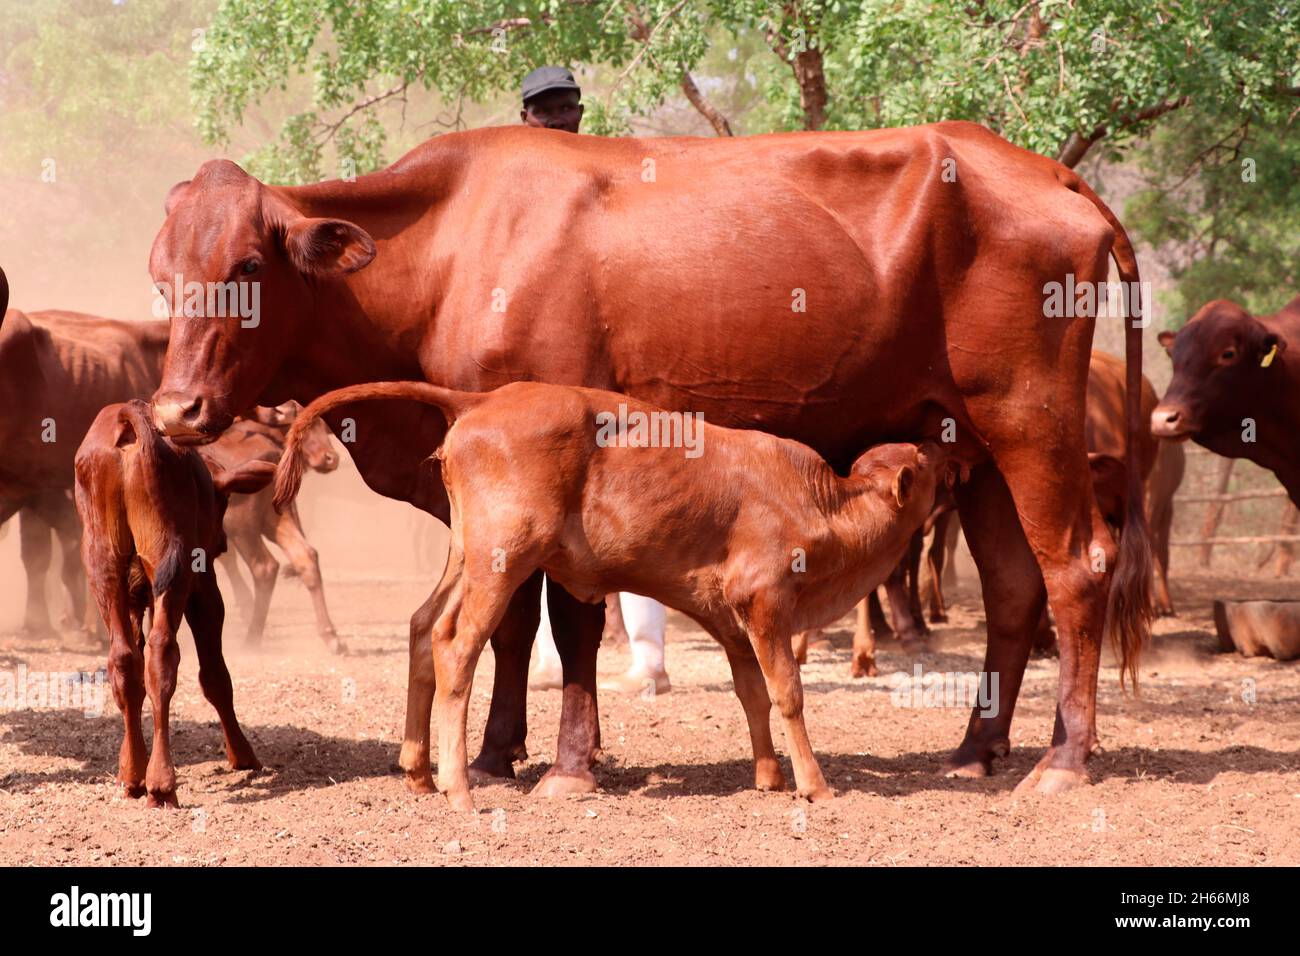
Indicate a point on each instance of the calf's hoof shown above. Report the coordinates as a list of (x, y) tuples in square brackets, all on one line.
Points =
[(864, 667), (1052, 780), (938, 618), (564, 784), (334, 644), (972, 761), (459, 800), (245, 761), (131, 789)]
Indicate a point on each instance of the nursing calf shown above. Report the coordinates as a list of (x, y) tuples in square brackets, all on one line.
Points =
[(766, 540), (152, 513)]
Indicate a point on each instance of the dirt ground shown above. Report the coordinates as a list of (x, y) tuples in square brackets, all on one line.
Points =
[(1192, 772)]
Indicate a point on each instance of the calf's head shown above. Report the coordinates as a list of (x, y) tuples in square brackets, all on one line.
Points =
[(239, 268), (1224, 358), (315, 445), (904, 476)]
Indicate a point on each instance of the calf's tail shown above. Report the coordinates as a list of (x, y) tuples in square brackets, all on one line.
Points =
[(288, 476)]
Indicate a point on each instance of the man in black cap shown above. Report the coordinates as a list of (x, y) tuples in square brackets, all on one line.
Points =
[(552, 99)]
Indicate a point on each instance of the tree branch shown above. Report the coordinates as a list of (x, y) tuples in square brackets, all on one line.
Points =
[(1077, 146)]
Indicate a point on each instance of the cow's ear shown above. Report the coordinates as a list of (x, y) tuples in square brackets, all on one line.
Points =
[(175, 195), (326, 248), (904, 481), (1166, 338), (1272, 346), (244, 479)]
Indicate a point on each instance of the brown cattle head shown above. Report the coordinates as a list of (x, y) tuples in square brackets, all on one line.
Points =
[(1223, 359), (904, 475), (240, 268), (315, 445)]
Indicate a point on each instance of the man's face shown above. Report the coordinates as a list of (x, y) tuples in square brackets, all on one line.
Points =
[(557, 109)]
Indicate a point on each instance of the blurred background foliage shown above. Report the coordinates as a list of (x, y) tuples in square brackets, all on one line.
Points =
[(1184, 110)]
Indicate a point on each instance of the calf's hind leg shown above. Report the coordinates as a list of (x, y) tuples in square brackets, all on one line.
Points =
[(747, 678), (206, 614), (771, 642), (162, 661), (464, 625)]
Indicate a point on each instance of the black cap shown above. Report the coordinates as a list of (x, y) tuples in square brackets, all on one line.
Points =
[(547, 78)]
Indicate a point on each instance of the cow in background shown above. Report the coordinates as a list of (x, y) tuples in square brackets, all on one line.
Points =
[(57, 370), (251, 520), (1236, 387)]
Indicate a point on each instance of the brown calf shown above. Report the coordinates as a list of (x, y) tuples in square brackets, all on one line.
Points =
[(251, 520), (152, 514), (766, 540)]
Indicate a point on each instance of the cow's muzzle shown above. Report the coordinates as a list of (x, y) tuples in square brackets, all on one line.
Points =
[(1172, 422), (181, 418)]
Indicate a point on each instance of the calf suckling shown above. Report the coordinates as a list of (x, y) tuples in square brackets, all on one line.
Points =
[(754, 537), (152, 512)]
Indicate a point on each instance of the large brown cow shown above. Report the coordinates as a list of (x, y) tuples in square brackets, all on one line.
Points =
[(843, 289), (57, 370), (1236, 387)]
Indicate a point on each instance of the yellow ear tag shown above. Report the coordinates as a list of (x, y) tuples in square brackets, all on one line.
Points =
[(1267, 360)]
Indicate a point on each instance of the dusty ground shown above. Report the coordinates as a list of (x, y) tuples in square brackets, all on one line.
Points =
[(1191, 772)]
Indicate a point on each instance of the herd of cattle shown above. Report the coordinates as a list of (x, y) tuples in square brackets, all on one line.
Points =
[(864, 339)]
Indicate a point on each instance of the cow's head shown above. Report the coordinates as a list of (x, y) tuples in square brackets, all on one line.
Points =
[(243, 248), (1222, 358)]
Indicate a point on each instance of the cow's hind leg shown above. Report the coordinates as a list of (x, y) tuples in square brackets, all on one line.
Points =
[(206, 614), (34, 545), (577, 628), (1014, 597)]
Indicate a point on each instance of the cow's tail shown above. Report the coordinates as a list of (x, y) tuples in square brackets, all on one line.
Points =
[(1129, 609), (288, 476)]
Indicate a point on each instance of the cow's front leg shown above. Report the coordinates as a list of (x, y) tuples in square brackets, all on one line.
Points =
[(577, 628), (505, 737)]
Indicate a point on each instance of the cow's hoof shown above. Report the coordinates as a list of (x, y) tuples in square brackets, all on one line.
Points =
[(564, 784), (820, 794), (131, 789), (1051, 780), (420, 783), (334, 644), (938, 618), (488, 767), (459, 800), (864, 668), (246, 761), (1166, 612), (768, 777), (162, 800), (972, 770)]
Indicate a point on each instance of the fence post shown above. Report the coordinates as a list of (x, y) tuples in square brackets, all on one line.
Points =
[(1214, 510)]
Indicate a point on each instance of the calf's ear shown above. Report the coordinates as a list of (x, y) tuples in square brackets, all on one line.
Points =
[(245, 479), (904, 482), (175, 195), (328, 248)]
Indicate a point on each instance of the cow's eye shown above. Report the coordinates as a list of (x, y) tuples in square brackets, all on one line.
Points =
[(1229, 355), (250, 266)]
